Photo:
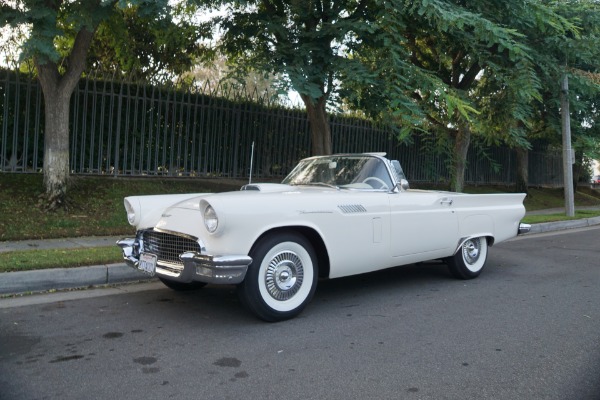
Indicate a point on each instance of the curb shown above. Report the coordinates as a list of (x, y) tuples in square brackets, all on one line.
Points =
[(15, 283), (563, 225)]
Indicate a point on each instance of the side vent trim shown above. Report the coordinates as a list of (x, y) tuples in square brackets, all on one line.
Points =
[(352, 208)]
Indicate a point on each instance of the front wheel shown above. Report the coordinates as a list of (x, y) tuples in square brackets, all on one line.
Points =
[(282, 277), (469, 260)]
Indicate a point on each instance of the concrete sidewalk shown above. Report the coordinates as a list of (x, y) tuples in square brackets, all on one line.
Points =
[(65, 243), (562, 225), (43, 280), (12, 283), (65, 278)]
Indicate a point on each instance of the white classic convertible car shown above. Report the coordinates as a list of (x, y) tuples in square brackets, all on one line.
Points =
[(332, 216)]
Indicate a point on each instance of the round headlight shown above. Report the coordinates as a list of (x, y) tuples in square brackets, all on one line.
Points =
[(130, 212), (211, 221)]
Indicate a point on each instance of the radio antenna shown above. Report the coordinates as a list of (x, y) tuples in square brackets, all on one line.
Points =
[(251, 162)]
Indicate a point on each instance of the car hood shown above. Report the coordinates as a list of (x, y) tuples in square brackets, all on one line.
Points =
[(193, 203)]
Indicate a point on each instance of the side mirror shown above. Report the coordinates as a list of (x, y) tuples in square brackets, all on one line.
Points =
[(403, 185)]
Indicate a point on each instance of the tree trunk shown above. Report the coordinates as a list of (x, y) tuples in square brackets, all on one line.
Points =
[(57, 91), (56, 148), (320, 131), (462, 141), (522, 178)]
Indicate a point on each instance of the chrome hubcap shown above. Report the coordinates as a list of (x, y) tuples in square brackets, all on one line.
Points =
[(284, 275), (471, 250)]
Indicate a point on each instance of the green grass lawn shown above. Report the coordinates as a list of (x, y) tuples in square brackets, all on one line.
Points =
[(96, 209), (58, 258), (579, 214), (95, 204)]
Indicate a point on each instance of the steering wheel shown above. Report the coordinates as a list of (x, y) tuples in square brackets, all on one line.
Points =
[(374, 178)]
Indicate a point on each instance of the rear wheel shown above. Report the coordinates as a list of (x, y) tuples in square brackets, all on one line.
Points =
[(282, 277), (180, 286), (469, 260)]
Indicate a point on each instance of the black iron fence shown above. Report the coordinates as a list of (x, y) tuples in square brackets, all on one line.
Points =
[(125, 128)]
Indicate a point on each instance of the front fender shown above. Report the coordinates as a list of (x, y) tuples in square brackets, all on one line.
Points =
[(149, 209)]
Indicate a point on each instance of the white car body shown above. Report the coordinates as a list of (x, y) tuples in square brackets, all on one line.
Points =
[(347, 229)]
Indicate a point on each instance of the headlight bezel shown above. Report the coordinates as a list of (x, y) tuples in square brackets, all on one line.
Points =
[(210, 218), (132, 213)]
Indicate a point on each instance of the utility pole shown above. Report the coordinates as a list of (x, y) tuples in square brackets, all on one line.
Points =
[(568, 156)]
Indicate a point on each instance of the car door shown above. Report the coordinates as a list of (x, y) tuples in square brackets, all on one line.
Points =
[(423, 223)]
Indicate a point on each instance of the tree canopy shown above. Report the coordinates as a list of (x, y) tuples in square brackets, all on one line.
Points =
[(146, 48), (493, 62), (575, 54), (447, 68), (311, 46), (142, 34)]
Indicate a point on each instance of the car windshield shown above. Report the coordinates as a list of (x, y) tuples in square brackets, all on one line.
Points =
[(349, 172)]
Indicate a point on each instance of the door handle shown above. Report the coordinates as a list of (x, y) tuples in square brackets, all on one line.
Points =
[(446, 200)]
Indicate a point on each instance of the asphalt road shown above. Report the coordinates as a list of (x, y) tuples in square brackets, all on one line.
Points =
[(527, 328)]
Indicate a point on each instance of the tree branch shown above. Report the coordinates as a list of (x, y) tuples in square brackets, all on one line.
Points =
[(48, 75), (76, 60), (456, 72), (329, 85), (274, 8), (360, 8), (469, 77)]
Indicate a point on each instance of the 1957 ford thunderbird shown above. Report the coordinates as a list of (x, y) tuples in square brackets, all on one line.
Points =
[(332, 216)]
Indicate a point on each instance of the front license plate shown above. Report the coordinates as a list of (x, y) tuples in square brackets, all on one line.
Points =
[(147, 263)]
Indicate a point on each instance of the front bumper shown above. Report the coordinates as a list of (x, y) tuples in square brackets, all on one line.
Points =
[(194, 267)]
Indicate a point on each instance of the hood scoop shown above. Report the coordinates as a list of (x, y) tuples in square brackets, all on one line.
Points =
[(267, 187)]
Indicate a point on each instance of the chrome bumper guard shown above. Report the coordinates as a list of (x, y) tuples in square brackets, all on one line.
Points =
[(128, 245), (524, 228), (196, 267), (216, 269)]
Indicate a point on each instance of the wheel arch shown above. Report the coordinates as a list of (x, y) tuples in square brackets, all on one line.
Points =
[(488, 237), (312, 236)]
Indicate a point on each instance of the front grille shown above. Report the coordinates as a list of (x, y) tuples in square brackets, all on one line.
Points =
[(167, 246)]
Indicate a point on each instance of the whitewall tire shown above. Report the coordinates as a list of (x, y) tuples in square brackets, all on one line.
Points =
[(469, 260), (282, 278)]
